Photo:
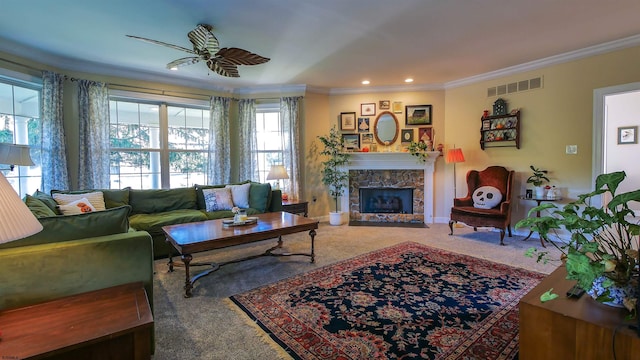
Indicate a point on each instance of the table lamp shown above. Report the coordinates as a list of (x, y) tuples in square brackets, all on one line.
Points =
[(16, 220), (454, 156), (278, 172)]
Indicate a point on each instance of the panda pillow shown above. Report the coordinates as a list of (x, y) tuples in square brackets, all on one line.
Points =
[(486, 197)]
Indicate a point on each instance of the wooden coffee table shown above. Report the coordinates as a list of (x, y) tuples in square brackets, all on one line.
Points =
[(196, 237)]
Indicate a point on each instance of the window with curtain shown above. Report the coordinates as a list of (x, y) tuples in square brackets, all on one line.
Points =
[(269, 136), (156, 144), (20, 124)]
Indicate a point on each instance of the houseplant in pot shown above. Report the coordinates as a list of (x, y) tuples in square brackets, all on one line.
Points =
[(332, 174), (601, 253), (538, 178)]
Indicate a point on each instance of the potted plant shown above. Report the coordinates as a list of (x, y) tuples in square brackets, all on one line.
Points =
[(537, 179), (601, 253), (332, 174)]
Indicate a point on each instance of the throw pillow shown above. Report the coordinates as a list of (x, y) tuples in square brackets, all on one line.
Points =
[(218, 199), (47, 200), (486, 197), (96, 199), (38, 207), (240, 195), (260, 196), (80, 206)]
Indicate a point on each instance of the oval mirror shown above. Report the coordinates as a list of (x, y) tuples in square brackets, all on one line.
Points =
[(386, 128)]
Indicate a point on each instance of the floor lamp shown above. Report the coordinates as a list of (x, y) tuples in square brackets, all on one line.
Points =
[(454, 156)]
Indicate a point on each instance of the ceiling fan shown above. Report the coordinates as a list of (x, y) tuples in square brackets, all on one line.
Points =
[(206, 48)]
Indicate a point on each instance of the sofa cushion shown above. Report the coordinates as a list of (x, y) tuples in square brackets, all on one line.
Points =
[(37, 207), (73, 227), (153, 201), (260, 196), (96, 198), (240, 195), (47, 200), (218, 199), (153, 223), (112, 197), (200, 195)]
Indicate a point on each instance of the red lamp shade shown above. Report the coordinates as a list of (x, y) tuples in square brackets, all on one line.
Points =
[(455, 156)]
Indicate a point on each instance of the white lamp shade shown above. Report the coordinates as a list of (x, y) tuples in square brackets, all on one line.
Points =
[(11, 154), (277, 172), (16, 220)]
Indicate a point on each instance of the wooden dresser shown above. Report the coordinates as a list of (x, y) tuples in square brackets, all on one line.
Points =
[(566, 328)]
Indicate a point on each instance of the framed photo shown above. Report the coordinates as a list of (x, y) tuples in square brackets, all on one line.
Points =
[(407, 135), (397, 107), (368, 109), (417, 114), (366, 138), (627, 135), (351, 141), (425, 135), (347, 121), (384, 104), (363, 124), (486, 125)]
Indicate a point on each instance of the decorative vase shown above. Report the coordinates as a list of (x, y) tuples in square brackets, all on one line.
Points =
[(335, 218), (616, 293), (540, 192)]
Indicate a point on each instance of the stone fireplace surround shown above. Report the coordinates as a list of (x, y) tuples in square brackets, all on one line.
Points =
[(390, 168)]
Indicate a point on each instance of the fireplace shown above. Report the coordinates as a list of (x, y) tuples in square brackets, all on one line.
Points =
[(386, 200), (390, 170)]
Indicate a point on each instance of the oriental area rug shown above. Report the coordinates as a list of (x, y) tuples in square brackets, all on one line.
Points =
[(408, 301)]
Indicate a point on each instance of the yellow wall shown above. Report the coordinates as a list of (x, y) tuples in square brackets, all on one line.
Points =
[(557, 115)]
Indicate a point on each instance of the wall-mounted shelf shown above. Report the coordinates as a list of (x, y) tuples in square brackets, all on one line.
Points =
[(500, 131)]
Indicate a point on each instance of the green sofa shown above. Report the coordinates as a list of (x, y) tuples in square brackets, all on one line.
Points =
[(151, 209)]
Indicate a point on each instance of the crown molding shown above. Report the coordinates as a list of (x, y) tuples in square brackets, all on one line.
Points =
[(390, 88), (549, 61)]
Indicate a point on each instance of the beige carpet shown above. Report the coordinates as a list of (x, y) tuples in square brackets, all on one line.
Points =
[(206, 327)]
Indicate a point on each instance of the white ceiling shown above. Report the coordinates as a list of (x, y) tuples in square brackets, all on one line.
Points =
[(330, 44)]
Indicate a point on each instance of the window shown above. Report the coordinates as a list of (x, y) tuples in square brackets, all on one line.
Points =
[(156, 145), (269, 136), (20, 124)]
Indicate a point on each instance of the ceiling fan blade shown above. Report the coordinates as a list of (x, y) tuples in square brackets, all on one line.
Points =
[(241, 57), (203, 39), (183, 62), (223, 67), (176, 47)]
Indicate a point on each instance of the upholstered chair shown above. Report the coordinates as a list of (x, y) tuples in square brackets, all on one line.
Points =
[(478, 210)]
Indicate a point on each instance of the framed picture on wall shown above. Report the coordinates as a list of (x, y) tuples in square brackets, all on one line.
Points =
[(368, 109), (351, 141), (417, 114), (407, 135), (366, 138), (425, 135), (347, 121), (627, 135), (363, 124), (384, 104), (397, 107)]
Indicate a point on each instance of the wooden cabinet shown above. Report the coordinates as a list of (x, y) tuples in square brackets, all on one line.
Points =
[(566, 328), (500, 131)]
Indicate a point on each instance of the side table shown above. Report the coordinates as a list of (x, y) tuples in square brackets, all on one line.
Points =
[(296, 207), (538, 200)]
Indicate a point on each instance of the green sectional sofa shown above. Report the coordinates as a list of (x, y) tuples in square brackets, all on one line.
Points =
[(151, 209)]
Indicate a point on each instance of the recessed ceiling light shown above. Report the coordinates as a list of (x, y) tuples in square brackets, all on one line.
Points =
[(408, 80), (365, 82), (174, 68)]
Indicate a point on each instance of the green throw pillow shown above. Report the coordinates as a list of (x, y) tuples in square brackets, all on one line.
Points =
[(260, 196), (47, 200), (38, 207), (73, 227)]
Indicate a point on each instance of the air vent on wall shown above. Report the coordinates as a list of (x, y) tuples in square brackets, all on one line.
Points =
[(530, 84)]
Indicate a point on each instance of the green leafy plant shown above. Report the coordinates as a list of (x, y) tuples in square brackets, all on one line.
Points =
[(538, 178), (332, 175), (604, 240), (419, 150)]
